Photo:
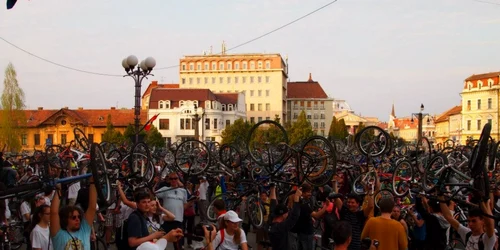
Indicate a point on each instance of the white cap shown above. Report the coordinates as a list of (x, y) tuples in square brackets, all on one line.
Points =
[(161, 244), (232, 216)]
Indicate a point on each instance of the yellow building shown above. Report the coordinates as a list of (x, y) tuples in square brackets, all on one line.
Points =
[(57, 126), (262, 78), (449, 125), (352, 121), (480, 104)]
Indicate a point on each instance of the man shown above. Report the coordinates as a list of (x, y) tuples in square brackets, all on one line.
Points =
[(389, 233), (435, 224), (418, 240), (342, 235), (174, 200), (480, 233), (282, 223), (70, 227), (356, 217), (203, 202), (304, 229)]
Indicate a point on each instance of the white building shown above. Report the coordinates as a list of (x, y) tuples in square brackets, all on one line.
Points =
[(177, 109)]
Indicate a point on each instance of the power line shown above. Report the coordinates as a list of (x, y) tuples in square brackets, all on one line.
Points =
[(487, 2), (267, 33), (57, 64)]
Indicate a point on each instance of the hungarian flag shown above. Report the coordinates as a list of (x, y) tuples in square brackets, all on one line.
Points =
[(148, 124), (10, 4)]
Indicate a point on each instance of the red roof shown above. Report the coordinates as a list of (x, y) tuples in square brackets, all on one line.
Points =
[(200, 95), (305, 90), (383, 125), (229, 98), (484, 78), (154, 84), (405, 122), (446, 115)]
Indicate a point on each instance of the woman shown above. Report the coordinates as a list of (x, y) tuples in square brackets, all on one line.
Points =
[(39, 236), (157, 215), (230, 236), (396, 215)]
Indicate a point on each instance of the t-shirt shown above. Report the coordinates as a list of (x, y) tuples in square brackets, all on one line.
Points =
[(40, 238), (389, 233), (489, 243), (173, 200), (25, 209), (137, 226), (419, 232), (79, 240), (202, 189), (228, 243), (304, 224), (153, 225), (357, 221), (278, 232), (73, 190)]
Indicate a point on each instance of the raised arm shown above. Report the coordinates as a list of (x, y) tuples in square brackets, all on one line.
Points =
[(370, 205), (55, 225), (445, 210), (489, 223), (123, 197), (92, 209), (168, 216)]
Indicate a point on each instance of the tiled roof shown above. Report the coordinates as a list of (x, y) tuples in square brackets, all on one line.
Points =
[(446, 115), (176, 95), (306, 90), (405, 122), (383, 125), (86, 117), (483, 76), (154, 84), (229, 98)]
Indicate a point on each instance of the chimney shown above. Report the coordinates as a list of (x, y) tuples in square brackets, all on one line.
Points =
[(310, 78), (80, 108), (113, 108), (154, 83), (40, 108)]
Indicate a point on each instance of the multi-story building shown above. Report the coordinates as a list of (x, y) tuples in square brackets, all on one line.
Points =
[(353, 121), (340, 106), (262, 78), (449, 125), (310, 97), (480, 105), (151, 86), (178, 109), (407, 127), (56, 126)]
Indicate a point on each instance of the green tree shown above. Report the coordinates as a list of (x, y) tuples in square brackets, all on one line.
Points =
[(13, 119), (154, 138), (300, 130), (129, 134), (236, 133), (111, 135), (361, 126), (332, 133), (342, 129)]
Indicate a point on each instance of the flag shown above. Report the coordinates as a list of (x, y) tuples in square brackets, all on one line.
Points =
[(10, 4), (153, 118), (148, 127), (148, 124)]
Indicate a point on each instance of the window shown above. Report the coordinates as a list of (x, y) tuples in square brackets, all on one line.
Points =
[(228, 123), (259, 92), (221, 66), (322, 133), (308, 116), (197, 80), (322, 125), (268, 106), (252, 119), (164, 124), (251, 79), (468, 124), (478, 124), (213, 80), (37, 139), (206, 66), (228, 80), (198, 66), (479, 104), (182, 123), (236, 65), (322, 116), (207, 123), (181, 103), (24, 139), (252, 107), (316, 116), (267, 79), (215, 123), (190, 80), (490, 121), (183, 80), (91, 138), (259, 119), (259, 64), (223, 107), (251, 92), (267, 92), (235, 79), (259, 107), (221, 79), (244, 79), (229, 66), (489, 103), (188, 123), (268, 65), (468, 105), (315, 125), (50, 139), (64, 138), (160, 105), (252, 65), (206, 80), (183, 66), (244, 65), (259, 79), (191, 66), (214, 66)]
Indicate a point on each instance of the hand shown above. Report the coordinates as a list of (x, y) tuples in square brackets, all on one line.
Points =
[(118, 184), (244, 198), (92, 237), (158, 234), (326, 203), (298, 194), (174, 235)]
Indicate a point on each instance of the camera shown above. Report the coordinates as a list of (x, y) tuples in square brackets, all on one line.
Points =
[(367, 242), (199, 232)]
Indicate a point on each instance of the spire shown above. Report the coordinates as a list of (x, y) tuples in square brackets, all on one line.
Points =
[(393, 113), (310, 78), (223, 47)]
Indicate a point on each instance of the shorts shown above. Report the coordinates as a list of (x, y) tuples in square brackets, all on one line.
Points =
[(110, 217)]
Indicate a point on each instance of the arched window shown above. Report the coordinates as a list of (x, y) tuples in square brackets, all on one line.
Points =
[(230, 107), (160, 105), (182, 103), (479, 84), (167, 104), (207, 105), (223, 107), (252, 65)]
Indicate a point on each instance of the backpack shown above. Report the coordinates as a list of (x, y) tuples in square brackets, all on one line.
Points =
[(124, 237), (480, 244)]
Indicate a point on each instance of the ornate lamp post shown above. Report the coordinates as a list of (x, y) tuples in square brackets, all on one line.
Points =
[(420, 117), (197, 119), (138, 74)]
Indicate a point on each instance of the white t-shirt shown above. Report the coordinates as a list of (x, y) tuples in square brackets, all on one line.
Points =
[(228, 243), (7, 209), (40, 238), (202, 189), (489, 243), (73, 190), (25, 209)]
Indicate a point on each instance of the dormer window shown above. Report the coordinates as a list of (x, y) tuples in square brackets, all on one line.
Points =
[(230, 107), (160, 105), (223, 107), (181, 103), (167, 104)]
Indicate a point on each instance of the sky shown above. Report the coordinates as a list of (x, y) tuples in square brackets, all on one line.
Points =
[(371, 53)]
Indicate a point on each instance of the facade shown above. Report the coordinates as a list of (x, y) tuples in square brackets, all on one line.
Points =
[(177, 109), (352, 121), (310, 97), (262, 78), (449, 125), (46, 127), (480, 105), (407, 127), (340, 106), (151, 86)]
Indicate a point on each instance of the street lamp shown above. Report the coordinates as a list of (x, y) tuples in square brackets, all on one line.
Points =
[(138, 74), (420, 116), (197, 119)]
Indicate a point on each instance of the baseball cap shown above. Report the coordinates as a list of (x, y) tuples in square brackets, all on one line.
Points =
[(280, 209), (161, 244), (232, 216)]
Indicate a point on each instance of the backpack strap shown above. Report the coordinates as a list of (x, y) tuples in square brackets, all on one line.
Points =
[(467, 236), (480, 243), (221, 239)]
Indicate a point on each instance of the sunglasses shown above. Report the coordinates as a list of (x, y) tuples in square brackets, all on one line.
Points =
[(74, 217)]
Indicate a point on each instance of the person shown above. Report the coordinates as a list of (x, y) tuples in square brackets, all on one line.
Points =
[(189, 217), (70, 227), (480, 233), (342, 235), (25, 209), (219, 207), (202, 201), (162, 243), (157, 215), (281, 220), (40, 233), (261, 234), (396, 215), (389, 233), (436, 225), (418, 239), (229, 237)]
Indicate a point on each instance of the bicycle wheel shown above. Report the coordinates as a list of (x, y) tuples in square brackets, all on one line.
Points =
[(229, 156), (433, 172), (361, 182), (229, 202), (140, 164), (263, 143), (100, 174), (383, 194), (192, 157), (372, 141), (255, 211), (318, 161), (403, 175), (81, 139)]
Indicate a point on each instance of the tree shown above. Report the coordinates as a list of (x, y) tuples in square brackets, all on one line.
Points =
[(236, 133), (300, 130), (332, 133), (110, 134), (342, 129), (129, 134), (13, 119), (361, 126), (154, 138)]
